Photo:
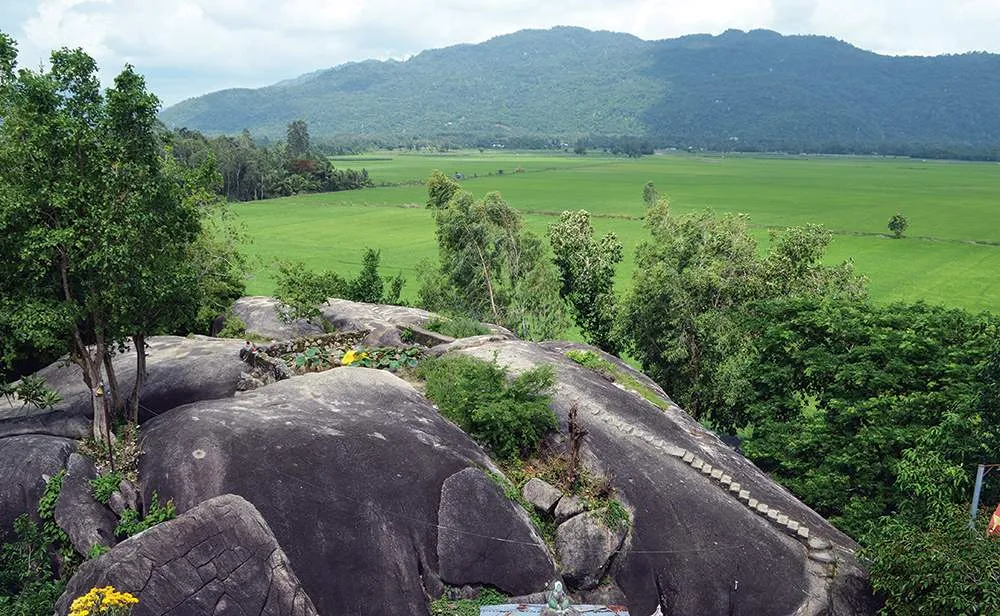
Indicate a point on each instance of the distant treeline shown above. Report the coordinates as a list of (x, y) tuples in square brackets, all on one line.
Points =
[(641, 146), (251, 170)]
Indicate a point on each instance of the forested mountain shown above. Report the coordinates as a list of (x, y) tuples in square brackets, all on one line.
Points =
[(738, 90)]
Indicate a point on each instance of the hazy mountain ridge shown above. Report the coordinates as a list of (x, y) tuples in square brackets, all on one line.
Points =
[(702, 90)]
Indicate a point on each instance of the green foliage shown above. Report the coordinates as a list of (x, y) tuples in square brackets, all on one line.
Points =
[(28, 586), (250, 171), (650, 195), (233, 328), (843, 392), (943, 568), (587, 270), (132, 523), (391, 359), (898, 224), (467, 607), (313, 359), (491, 269), (456, 327), (509, 418), (30, 391), (695, 279), (97, 550), (51, 534), (103, 486), (595, 362), (301, 291), (440, 190)]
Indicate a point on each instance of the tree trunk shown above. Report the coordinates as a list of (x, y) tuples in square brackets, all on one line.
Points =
[(139, 341), (112, 389), (489, 283)]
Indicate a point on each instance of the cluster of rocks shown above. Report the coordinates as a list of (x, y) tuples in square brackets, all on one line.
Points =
[(585, 544), (346, 490)]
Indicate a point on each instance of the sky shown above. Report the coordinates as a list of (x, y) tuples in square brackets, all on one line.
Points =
[(190, 47)]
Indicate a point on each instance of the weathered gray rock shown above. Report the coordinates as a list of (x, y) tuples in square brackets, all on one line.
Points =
[(125, 497), (261, 317), (567, 507), (51, 423), (346, 315), (86, 521), (28, 461), (541, 494), (218, 558), (180, 370), (473, 511), (692, 537), (347, 467), (586, 546)]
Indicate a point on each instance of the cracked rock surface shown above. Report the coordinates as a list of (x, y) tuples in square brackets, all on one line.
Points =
[(218, 558)]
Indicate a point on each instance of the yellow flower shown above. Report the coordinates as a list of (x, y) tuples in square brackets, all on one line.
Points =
[(105, 600), (351, 357)]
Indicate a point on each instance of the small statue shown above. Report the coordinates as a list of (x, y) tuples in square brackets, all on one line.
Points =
[(557, 601)]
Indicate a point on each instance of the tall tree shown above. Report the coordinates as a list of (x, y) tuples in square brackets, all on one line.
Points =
[(97, 230), (492, 269), (297, 139), (587, 273)]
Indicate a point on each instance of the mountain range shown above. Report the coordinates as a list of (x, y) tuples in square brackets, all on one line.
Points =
[(739, 90)]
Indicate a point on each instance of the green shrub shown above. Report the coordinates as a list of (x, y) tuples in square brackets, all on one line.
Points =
[(507, 417), (456, 327), (132, 523), (467, 607), (234, 327), (103, 486), (27, 583)]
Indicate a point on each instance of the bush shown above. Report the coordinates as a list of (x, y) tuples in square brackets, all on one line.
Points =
[(457, 327), (103, 486), (509, 418), (27, 583), (132, 523)]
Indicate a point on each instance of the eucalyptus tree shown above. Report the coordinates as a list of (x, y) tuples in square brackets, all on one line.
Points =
[(96, 233)]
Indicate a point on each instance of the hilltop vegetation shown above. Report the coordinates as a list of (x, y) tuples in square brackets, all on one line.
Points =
[(736, 91)]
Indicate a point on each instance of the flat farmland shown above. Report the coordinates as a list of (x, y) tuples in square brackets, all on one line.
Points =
[(950, 255)]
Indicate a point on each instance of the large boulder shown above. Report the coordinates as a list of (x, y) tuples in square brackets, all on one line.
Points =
[(473, 512), (179, 370), (261, 316), (28, 461), (347, 467), (586, 546), (87, 522), (706, 520), (218, 558)]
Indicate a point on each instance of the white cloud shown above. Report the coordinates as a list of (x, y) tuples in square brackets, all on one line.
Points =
[(188, 47)]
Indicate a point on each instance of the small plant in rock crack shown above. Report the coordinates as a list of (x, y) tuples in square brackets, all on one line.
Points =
[(103, 486)]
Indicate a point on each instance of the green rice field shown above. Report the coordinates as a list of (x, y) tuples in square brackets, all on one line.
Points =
[(950, 255)]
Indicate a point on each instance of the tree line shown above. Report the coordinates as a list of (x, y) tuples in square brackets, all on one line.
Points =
[(251, 171)]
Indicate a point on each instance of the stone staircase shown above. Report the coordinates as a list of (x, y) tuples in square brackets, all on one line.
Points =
[(819, 549)]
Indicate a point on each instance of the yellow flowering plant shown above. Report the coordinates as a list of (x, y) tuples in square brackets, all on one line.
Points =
[(352, 357), (105, 600)]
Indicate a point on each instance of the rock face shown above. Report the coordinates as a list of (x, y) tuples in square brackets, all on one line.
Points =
[(86, 521), (706, 519), (347, 467), (27, 462), (218, 558), (261, 317), (473, 511), (540, 494), (180, 370), (586, 546)]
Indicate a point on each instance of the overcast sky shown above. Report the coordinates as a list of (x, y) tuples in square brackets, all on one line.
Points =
[(190, 47)]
